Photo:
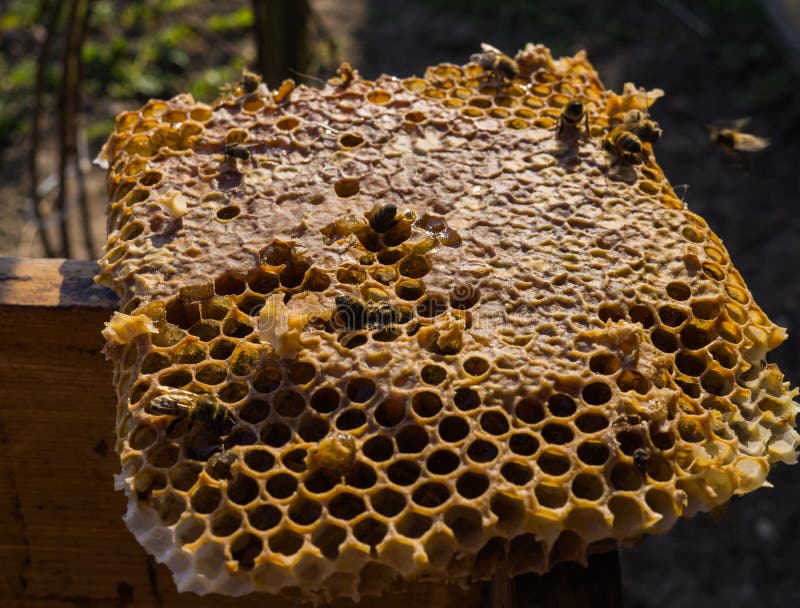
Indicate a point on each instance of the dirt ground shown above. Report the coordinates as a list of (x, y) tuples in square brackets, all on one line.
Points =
[(715, 59)]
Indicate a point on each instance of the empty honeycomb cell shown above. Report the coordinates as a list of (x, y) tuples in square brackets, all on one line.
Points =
[(378, 449), (516, 472), (556, 433), (293, 274), (664, 340), (414, 525), (411, 439), (553, 463), (596, 393), (131, 231), (476, 366), (164, 455), (466, 399), (716, 383), (695, 337), (426, 404), (205, 499), (175, 379), (453, 429), (433, 374), (388, 502), (370, 531), (312, 428), (281, 485), (725, 355), (348, 141), (678, 291), (403, 472), (275, 434), (587, 487), (226, 522), (346, 506), (713, 271), (324, 400), (409, 289), (183, 476), (728, 330), (288, 403), (643, 315), (305, 511), (142, 437), (431, 494), (360, 390), (285, 542), (262, 281), (295, 460), (481, 450), (442, 462), (351, 419), (189, 530), (242, 489), (254, 411), (529, 410), (593, 453), (523, 444), (390, 412), (561, 405), (550, 496), (625, 477), (268, 378), (611, 312)]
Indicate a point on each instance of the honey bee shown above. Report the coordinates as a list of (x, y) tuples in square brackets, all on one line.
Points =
[(181, 404), (572, 115), (495, 61), (735, 143), (383, 217), (639, 123), (237, 151), (250, 81), (640, 458), (355, 315), (624, 145)]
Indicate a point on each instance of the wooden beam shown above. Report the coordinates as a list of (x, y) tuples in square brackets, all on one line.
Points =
[(62, 539)]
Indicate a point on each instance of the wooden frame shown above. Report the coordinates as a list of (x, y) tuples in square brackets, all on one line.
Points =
[(62, 539)]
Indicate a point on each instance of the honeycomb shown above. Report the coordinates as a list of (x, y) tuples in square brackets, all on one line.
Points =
[(400, 330)]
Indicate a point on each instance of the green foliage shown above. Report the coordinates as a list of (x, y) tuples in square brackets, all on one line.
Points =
[(241, 19)]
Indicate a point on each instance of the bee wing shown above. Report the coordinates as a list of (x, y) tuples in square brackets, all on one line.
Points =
[(740, 123), (173, 402), (747, 142), (488, 48)]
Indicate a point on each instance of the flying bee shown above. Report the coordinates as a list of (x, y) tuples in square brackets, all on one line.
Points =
[(624, 145), (383, 217), (640, 458), (250, 81), (638, 123), (573, 114), (181, 404), (495, 61), (735, 143)]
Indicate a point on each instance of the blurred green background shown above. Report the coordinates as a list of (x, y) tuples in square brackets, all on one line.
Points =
[(715, 59)]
